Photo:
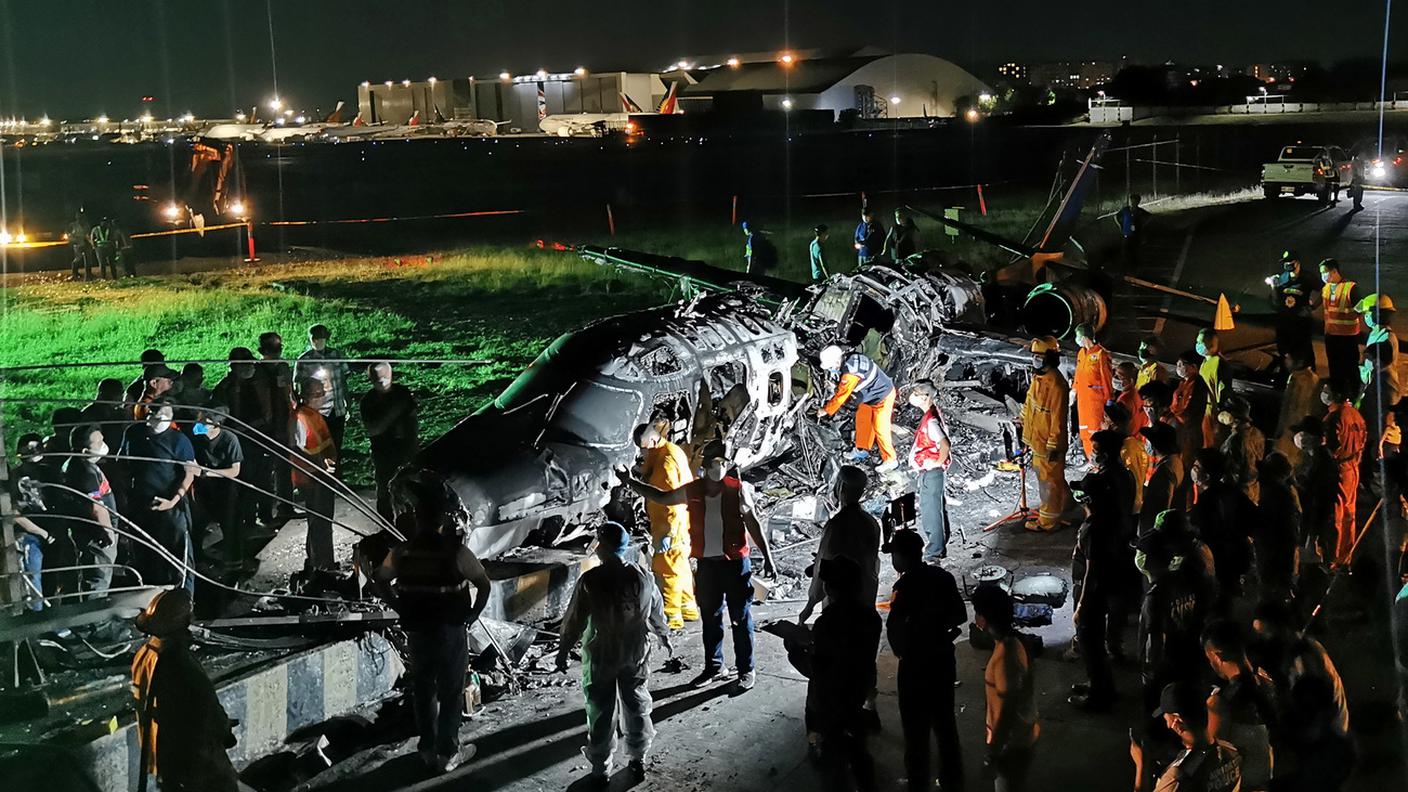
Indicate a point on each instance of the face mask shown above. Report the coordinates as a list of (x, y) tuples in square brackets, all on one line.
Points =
[(1201, 348), (319, 344), (1119, 384), (1324, 277), (200, 429), (1325, 398), (99, 452), (382, 384), (715, 472), (1225, 418), (1038, 363), (158, 427), (1371, 320)]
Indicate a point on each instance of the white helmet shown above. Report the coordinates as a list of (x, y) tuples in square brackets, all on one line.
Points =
[(831, 357)]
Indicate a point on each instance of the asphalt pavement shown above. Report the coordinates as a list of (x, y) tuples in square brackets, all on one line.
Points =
[(1230, 248)]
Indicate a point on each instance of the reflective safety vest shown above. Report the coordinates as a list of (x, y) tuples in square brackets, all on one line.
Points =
[(874, 383), (1340, 317), (730, 505), (317, 441), (430, 589)]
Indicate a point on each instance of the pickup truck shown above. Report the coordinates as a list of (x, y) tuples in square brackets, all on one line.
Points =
[(1321, 171)]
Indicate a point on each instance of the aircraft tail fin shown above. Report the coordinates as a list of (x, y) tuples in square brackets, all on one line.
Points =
[(415, 119), (335, 117), (671, 103), (627, 105), (1063, 222)]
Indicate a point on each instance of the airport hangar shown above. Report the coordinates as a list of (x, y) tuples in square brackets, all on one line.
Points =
[(869, 83)]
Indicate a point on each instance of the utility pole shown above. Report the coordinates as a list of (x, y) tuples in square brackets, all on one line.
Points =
[(1177, 163)]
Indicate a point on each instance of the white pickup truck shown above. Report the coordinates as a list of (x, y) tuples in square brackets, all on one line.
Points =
[(1321, 171)]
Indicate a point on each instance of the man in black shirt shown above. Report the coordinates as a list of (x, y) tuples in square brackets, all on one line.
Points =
[(1294, 296), (389, 415), (275, 378), (160, 462), (151, 359), (93, 536), (1099, 564), (248, 408), (926, 613), (223, 503), (1176, 604)]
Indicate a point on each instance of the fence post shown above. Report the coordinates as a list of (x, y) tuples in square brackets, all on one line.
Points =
[(982, 203), (1177, 163), (1154, 167)]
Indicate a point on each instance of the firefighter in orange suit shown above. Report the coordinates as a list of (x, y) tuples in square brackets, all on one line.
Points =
[(314, 460), (1342, 324), (1344, 440), (665, 466), (1045, 432), (1093, 385), (873, 388)]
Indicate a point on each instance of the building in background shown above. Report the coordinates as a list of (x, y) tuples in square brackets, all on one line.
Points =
[(1013, 73), (872, 84), (1073, 75), (512, 99)]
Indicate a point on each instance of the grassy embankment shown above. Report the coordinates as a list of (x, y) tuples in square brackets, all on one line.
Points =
[(492, 305), (498, 304)]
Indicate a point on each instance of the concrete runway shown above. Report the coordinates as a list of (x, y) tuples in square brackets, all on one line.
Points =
[(1231, 248)]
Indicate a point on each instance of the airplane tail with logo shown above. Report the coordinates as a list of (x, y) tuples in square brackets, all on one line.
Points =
[(671, 103), (335, 117), (628, 106)]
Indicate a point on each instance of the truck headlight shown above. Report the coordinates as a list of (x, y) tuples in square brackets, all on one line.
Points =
[(1378, 171)]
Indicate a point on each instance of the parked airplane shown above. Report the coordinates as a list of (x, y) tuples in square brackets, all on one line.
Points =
[(599, 124)]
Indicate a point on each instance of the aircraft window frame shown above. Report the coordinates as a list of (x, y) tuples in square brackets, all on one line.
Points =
[(624, 403)]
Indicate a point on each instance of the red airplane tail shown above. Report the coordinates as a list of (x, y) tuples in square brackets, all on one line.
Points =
[(335, 117), (671, 103), (628, 106)]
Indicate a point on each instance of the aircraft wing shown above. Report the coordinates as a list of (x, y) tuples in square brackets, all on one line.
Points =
[(696, 274)]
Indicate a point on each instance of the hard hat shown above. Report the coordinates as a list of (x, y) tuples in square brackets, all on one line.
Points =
[(1046, 344), (168, 612), (1289, 255), (1381, 301), (831, 357)]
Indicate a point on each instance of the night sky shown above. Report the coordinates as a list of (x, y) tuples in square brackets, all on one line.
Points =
[(79, 58)]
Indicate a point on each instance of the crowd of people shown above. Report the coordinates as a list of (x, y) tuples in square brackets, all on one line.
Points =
[(164, 476), (1203, 529)]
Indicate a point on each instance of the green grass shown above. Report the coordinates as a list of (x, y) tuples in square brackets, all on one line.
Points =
[(496, 305)]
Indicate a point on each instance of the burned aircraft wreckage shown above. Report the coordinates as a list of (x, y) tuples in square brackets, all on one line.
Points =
[(737, 360)]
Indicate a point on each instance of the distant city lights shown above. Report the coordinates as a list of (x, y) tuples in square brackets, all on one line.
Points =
[(787, 59), (580, 71), (239, 209), (786, 103), (541, 74), (276, 104), (971, 115), (146, 118), (405, 83), (171, 212), (894, 100), (732, 63), (503, 75), (102, 119), (431, 80), (240, 116)]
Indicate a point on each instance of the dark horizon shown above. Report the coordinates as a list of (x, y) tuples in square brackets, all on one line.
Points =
[(80, 58)]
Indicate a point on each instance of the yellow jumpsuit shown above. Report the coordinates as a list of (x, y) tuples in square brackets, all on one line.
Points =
[(667, 468), (1045, 432)]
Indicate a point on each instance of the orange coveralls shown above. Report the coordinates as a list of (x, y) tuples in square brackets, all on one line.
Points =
[(872, 420), (1345, 435), (1093, 389), (1045, 432)]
